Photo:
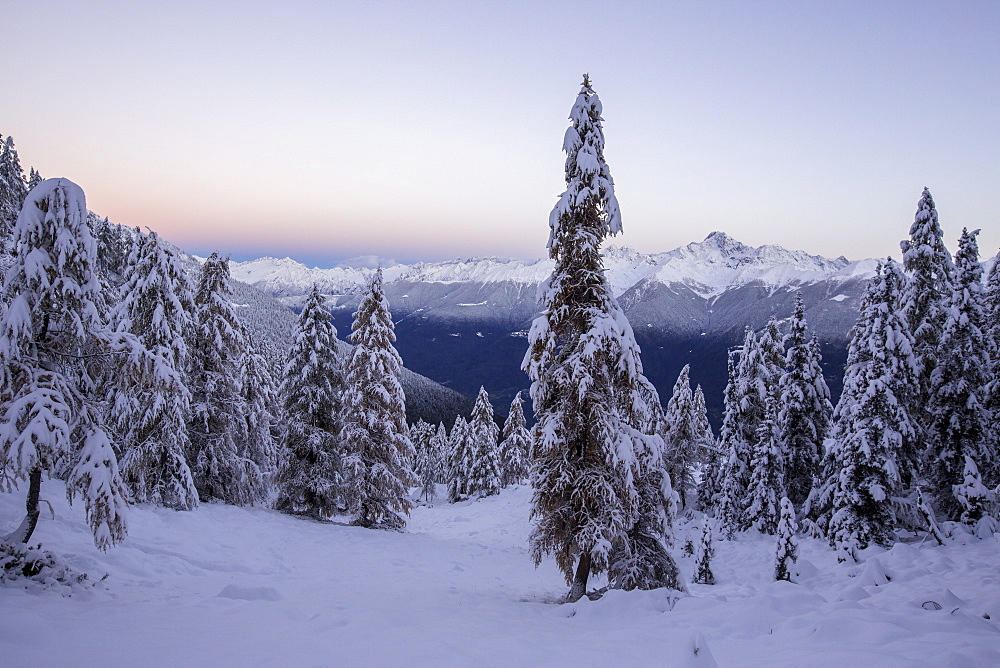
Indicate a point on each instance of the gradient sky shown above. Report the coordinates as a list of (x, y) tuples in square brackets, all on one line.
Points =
[(432, 130)]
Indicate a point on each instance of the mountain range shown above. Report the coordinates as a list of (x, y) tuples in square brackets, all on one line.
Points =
[(463, 323)]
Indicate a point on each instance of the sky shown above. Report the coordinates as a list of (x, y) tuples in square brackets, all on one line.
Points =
[(420, 130)]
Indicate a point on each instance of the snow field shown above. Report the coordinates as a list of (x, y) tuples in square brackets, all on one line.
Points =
[(226, 586)]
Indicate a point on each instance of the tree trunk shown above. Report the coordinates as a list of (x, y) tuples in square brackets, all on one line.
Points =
[(22, 534), (579, 586)]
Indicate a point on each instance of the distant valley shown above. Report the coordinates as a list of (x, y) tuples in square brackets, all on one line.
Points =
[(464, 323)]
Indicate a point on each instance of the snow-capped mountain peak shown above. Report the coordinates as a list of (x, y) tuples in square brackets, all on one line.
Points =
[(718, 245), (720, 262), (708, 268), (464, 320)]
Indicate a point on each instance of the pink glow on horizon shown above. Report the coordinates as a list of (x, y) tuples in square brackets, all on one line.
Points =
[(432, 130)]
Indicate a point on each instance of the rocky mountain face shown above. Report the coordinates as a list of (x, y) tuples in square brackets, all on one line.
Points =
[(464, 323)]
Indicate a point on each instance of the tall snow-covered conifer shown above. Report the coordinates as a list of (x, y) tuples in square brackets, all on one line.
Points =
[(704, 427), (586, 376), (727, 480), (484, 466), (309, 477), (59, 359), (684, 439), (925, 299), (515, 444), (750, 397), (377, 448), (873, 435), (425, 462), (767, 470), (960, 424), (991, 299), (804, 408), (458, 460), (223, 468), (260, 397), (12, 188), (439, 446), (712, 463), (157, 307)]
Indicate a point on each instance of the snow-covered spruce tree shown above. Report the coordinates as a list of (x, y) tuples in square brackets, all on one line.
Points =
[(377, 448), (750, 401), (786, 551), (873, 433), (643, 560), (34, 178), (425, 462), (703, 426), (223, 468), (260, 397), (925, 299), (59, 358), (586, 375), (766, 478), (772, 361), (711, 462), (484, 434), (991, 300), (158, 308), (515, 444), (804, 409), (960, 424), (12, 188), (439, 448), (729, 479), (971, 494), (114, 243), (703, 556), (458, 460), (309, 475), (420, 436), (683, 438)]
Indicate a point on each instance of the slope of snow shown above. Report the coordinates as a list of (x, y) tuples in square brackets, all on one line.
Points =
[(234, 586), (709, 267)]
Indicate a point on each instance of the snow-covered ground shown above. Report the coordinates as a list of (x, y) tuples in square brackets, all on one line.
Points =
[(225, 586)]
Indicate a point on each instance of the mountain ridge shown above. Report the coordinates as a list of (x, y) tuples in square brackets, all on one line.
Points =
[(463, 322), (709, 267)]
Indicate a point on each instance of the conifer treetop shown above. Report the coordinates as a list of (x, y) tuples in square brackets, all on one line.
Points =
[(926, 240), (12, 185), (61, 269), (589, 185), (158, 301), (929, 265)]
